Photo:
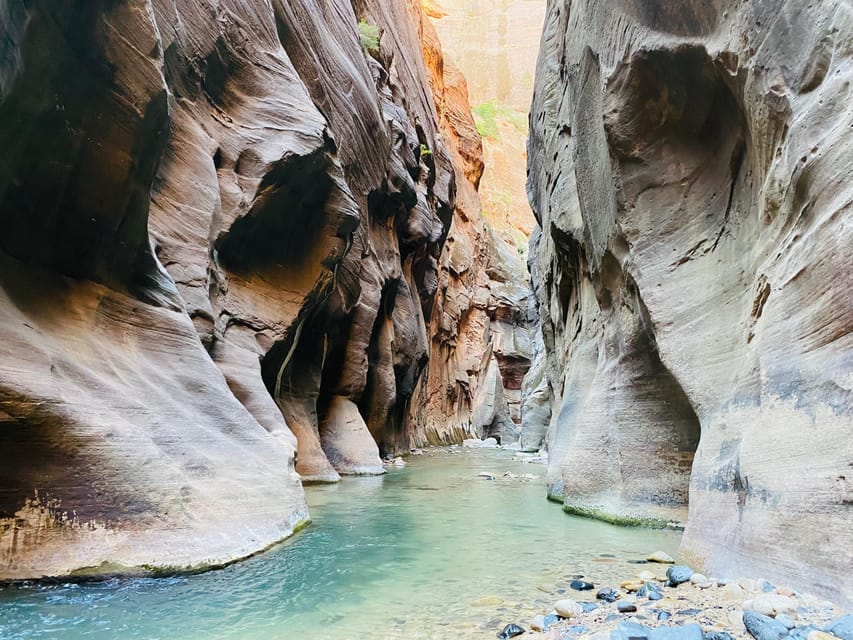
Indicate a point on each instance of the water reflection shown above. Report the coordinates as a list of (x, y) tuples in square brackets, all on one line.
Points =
[(422, 552)]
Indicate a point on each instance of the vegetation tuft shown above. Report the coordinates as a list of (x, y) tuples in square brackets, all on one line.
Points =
[(369, 36)]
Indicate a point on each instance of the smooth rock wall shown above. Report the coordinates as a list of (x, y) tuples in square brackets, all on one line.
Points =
[(689, 168), (221, 250)]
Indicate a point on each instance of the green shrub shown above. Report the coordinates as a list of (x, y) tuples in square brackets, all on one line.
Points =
[(369, 36), (488, 115)]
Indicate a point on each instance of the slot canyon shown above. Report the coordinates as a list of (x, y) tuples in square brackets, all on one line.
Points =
[(310, 310)]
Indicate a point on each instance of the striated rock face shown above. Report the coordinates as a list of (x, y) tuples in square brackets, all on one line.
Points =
[(689, 169), (222, 231), (480, 325)]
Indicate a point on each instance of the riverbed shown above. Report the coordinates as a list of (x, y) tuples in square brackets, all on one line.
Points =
[(431, 550)]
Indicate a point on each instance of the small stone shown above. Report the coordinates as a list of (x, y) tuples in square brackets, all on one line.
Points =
[(486, 474), (786, 620), (821, 635), (655, 595), (747, 584), (646, 589), (575, 630), (489, 443), (645, 576), (682, 632), (664, 615), (767, 587), (510, 631), (734, 592), (628, 630), (623, 606), (784, 591), (717, 635), (698, 578), (678, 574), (771, 604), (538, 623), (801, 633), (607, 594), (763, 627), (630, 585), (567, 608), (843, 627), (550, 620), (588, 606), (661, 557), (581, 585)]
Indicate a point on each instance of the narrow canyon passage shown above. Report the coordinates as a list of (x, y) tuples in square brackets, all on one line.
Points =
[(414, 318), (429, 551)]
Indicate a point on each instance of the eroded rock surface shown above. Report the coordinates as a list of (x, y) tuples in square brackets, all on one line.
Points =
[(222, 232), (689, 168)]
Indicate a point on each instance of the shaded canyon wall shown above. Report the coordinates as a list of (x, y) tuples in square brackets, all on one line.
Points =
[(223, 242), (689, 169)]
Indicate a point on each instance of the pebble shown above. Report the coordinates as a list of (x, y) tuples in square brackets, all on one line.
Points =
[(581, 585), (698, 578), (646, 589), (763, 627), (801, 633), (608, 594), (678, 574), (733, 591), (655, 595), (588, 606), (661, 557), (664, 615), (486, 474), (842, 628), (567, 608), (510, 631), (630, 585), (645, 576), (771, 604), (821, 635), (538, 623), (717, 635), (786, 620), (623, 606)]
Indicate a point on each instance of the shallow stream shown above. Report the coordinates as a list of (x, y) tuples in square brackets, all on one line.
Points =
[(428, 551)]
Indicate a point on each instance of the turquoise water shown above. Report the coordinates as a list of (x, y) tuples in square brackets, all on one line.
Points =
[(427, 551)]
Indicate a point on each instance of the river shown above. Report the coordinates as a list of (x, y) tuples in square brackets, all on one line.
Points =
[(428, 551)]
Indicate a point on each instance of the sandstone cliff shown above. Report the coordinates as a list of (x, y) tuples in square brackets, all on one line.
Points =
[(480, 326), (222, 231), (689, 168)]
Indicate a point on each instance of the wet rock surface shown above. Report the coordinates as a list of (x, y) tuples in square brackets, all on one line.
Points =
[(687, 167)]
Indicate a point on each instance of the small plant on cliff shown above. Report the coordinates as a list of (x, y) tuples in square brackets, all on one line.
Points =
[(369, 36), (425, 151)]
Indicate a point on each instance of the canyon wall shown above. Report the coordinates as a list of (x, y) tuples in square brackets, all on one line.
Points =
[(689, 168), (221, 250)]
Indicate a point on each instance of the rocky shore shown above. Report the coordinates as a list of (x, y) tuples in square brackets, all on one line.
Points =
[(667, 601)]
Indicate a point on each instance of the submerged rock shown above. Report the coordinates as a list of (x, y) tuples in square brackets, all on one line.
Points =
[(608, 594), (661, 557), (581, 585), (510, 631)]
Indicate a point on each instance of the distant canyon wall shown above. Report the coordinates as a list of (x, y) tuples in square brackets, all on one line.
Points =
[(689, 168), (229, 230)]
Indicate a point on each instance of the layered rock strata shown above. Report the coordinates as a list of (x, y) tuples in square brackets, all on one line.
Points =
[(688, 169), (481, 323), (222, 247)]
